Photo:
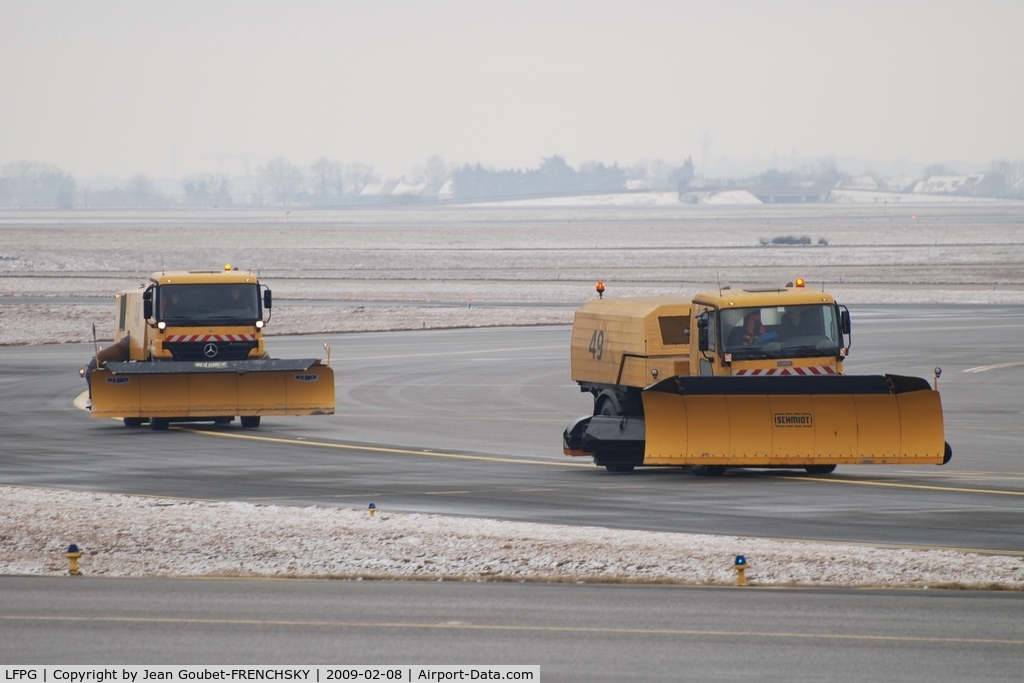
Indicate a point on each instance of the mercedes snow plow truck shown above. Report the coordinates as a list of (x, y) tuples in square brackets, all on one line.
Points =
[(188, 347), (750, 378)]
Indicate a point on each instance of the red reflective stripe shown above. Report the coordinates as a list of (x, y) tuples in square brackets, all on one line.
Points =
[(812, 370), (209, 337)]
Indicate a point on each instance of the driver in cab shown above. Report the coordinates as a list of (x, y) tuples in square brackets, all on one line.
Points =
[(791, 324), (752, 327)]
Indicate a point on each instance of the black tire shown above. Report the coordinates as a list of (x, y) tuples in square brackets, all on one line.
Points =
[(159, 424), (223, 420), (250, 421), (619, 468), (947, 454), (708, 470), (820, 469), (133, 421), (606, 407)]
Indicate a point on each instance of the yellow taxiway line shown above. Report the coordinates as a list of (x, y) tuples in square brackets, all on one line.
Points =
[(384, 449), (923, 487), (997, 366)]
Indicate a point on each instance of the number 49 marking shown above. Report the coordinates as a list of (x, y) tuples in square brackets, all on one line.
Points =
[(597, 344)]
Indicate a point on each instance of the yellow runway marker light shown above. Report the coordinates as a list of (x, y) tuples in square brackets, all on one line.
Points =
[(740, 565), (73, 554)]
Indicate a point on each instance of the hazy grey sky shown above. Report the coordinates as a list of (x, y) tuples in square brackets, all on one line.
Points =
[(125, 87)]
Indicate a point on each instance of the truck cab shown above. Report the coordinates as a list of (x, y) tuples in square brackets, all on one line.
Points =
[(194, 316), (783, 331)]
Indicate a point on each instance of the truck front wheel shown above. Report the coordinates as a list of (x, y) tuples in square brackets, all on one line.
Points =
[(607, 406), (250, 421)]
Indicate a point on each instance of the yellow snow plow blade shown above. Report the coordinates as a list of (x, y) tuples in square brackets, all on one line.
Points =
[(173, 389), (770, 421)]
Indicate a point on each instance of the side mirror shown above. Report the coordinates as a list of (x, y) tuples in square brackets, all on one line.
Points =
[(702, 333), (147, 304), (268, 300), (845, 319)]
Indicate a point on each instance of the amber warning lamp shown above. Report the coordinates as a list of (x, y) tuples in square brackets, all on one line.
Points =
[(600, 289), (799, 282)]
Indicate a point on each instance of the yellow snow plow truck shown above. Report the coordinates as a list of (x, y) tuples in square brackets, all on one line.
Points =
[(740, 378), (188, 347)]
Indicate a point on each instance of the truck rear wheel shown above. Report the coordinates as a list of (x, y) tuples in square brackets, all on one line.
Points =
[(250, 421), (820, 469), (619, 468), (159, 424), (133, 421)]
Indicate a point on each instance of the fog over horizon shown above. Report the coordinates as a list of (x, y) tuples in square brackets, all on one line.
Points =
[(121, 88)]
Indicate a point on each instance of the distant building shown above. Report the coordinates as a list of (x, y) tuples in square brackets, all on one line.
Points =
[(950, 184), (447, 190), (858, 182)]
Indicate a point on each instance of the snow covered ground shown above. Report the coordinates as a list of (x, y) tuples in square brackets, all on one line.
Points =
[(139, 536), (842, 196), (610, 199), (450, 266)]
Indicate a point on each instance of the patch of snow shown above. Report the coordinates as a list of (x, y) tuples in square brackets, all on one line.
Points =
[(121, 535), (840, 196), (729, 198), (372, 189), (948, 184), (610, 199), (408, 188)]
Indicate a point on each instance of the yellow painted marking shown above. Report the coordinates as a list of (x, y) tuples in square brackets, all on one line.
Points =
[(81, 399), (985, 368), (923, 487), (382, 449), (778, 635), (421, 416)]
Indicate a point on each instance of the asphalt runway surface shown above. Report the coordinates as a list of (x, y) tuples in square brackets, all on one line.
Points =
[(469, 422), (574, 632)]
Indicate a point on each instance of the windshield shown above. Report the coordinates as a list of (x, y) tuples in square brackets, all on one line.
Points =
[(781, 331), (202, 304)]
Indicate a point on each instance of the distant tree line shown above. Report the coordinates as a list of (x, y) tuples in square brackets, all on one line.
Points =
[(27, 184), (823, 175), (327, 182), (556, 177)]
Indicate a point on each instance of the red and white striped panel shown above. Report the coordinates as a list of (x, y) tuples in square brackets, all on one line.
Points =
[(813, 370), (209, 338)]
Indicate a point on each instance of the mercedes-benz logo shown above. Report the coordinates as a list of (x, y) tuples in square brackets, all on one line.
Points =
[(210, 350)]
